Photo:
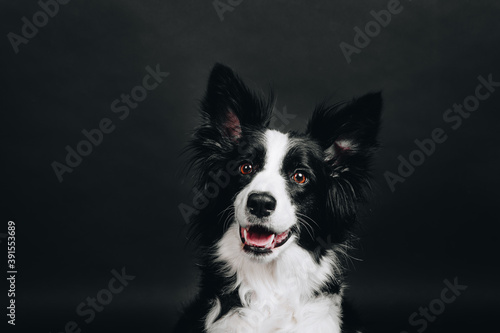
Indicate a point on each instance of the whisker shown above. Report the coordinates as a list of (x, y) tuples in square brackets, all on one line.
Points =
[(228, 220), (307, 226), (225, 209), (307, 217)]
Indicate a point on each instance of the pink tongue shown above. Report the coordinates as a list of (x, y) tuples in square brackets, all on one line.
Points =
[(281, 237), (258, 238)]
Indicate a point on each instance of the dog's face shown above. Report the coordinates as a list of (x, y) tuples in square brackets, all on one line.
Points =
[(277, 189)]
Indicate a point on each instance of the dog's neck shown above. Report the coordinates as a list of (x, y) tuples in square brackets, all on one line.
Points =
[(293, 275), (287, 292)]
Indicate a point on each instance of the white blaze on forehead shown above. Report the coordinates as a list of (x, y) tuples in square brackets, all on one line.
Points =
[(277, 145), (270, 178)]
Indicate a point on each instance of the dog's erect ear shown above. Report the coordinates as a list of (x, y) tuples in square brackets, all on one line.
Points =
[(348, 132), (348, 135), (230, 106)]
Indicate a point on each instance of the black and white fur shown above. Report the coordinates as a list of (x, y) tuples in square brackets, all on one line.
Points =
[(303, 188)]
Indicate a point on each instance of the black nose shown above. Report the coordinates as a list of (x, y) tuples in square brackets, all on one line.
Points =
[(261, 204)]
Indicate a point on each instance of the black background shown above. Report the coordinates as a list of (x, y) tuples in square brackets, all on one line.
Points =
[(118, 208)]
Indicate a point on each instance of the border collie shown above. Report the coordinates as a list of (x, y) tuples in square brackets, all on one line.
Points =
[(272, 198)]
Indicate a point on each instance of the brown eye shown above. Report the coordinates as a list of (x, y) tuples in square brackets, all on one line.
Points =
[(299, 178), (246, 168)]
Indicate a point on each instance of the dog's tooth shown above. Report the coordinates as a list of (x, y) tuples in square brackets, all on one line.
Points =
[(270, 242), (245, 234)]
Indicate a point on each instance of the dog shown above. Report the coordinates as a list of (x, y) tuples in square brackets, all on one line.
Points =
[(272, 198)]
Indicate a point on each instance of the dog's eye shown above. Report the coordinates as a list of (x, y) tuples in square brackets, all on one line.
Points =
[(299, 178), (246, 168)]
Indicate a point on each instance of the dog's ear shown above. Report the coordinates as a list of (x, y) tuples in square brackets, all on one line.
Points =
[(348, 132), (231, 107), (348, 135)]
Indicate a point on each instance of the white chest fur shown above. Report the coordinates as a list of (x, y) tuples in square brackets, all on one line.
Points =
[(277, 296)]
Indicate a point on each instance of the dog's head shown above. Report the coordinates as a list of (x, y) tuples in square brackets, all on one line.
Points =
[(266, 190)]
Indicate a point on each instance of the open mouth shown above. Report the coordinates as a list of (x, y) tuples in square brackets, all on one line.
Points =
[(261, 240)]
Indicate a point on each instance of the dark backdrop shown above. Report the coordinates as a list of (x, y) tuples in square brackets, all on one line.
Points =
[(119, 207)]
